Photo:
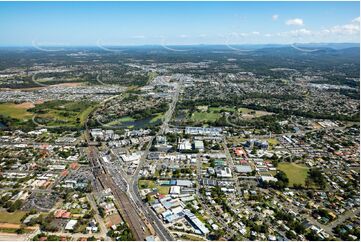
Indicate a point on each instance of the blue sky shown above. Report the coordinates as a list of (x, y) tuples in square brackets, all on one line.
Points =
[(138, 23)]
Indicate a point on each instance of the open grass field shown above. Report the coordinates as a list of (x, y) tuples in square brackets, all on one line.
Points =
[(157, 117), (237, 140), (203, 116), (83, 115), (192, 237), (13, 230), (250, 113), (152, 75), (142, 184), (146, 184), (220, 109), (62, 113), (13, 218), (296, 173), (163, 190), (17, 111), (272, 141)]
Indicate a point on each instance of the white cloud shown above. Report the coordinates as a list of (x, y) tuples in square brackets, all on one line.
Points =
[(299, 32), (241, 35), (183, 36), (347, 29), (295, 21), (356, 20), (275, 17)]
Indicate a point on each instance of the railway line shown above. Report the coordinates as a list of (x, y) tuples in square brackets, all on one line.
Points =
[(124, 205), (130, 215)]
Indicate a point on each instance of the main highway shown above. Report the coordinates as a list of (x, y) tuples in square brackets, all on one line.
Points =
[(125, 206), (162, 232), (138, 221)]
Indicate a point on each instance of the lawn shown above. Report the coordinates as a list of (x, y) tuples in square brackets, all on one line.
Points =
[(13, 230), (163, 189), (158, 116), (126, 119), (83, 116), (16, 111), (152, 75), (142, 184), (296, 173), (272, 141), (236, 139), (203, 116), (219, 109), (250, 113), (146, 184), (62, 113), (205, 165), (13, 218), (192, 237)]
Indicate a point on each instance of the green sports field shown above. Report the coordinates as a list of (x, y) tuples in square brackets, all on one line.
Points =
[(203, 116), (296, 173)]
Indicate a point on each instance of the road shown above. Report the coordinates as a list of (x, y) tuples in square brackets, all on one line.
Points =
[(328, 228), (161, 231), (98, 218), (112, 180), (203, 204), (231, 165), (135, 222), (124, 205)]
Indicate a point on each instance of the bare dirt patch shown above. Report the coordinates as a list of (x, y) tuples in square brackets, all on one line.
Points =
[(14, 226), (113, 219), (70, 84), (25, 105)]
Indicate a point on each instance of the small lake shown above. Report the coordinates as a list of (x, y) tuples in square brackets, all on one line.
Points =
[(141, 123), (2, 125)]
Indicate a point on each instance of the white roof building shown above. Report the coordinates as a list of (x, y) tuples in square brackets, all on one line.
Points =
[(174, 190), (224, 172), (71, 224), (185, 145), (198, 145), (268, 178)]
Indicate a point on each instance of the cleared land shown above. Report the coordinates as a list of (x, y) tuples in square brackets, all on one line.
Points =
[(11, 218), (296, 173), (17, 111)]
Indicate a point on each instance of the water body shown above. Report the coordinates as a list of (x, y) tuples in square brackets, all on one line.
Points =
[(2, 125), (141, 123)]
